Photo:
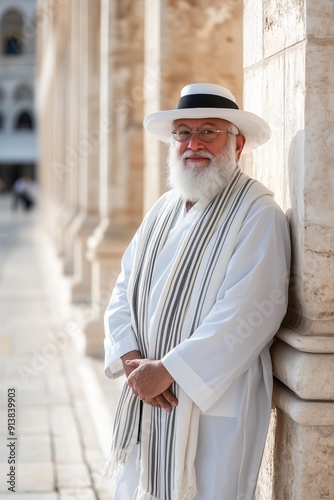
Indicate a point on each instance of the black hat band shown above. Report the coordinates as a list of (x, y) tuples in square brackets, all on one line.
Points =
[(205, 101)]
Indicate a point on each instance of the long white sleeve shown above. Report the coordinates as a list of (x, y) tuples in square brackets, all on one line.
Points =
[(119, 336)]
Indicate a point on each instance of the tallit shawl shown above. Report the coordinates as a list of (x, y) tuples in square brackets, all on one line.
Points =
[(167, 441)]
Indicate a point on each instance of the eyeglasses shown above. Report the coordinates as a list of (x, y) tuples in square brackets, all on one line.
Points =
[(204, 134)]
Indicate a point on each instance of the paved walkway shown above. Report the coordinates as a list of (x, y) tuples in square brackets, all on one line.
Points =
[(61, 421)]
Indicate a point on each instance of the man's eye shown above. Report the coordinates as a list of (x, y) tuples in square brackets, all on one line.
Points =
[(208, 132), (183, 133)]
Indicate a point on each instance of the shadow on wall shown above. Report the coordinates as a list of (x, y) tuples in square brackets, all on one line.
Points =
[(297, 317)]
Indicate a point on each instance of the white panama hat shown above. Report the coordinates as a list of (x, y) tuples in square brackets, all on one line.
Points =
[(207, 100)]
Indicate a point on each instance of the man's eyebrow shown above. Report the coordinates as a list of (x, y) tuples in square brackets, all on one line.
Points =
[(181, 125), (208, 123)]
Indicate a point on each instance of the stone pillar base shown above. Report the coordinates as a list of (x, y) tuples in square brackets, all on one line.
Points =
[(308, 374), (64, 217), (94, 337), (304, 444), (80, 288)]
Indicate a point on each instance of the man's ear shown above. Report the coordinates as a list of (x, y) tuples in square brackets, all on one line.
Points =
[(240, 143)]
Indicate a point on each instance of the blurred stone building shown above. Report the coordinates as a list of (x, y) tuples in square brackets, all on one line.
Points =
[(18, 136), (103, 65)]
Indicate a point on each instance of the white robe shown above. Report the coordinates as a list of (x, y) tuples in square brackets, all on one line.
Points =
[(224, 367)]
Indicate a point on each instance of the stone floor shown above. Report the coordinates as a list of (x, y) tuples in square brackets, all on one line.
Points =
[(64, 404)]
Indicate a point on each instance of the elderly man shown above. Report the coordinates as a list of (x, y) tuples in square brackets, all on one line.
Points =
[(202, 292)]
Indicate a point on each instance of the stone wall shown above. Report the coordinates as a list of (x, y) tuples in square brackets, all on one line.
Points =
[(288, 78)]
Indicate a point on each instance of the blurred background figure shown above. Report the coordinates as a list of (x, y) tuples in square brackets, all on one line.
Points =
[(24, 192)]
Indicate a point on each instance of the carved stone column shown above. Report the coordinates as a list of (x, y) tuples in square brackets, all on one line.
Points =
[(72, 157), (60, 90), (289, 49), (53, 21), (90, 137), (58, 108)]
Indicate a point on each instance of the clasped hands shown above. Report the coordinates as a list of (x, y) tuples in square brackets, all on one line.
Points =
[(149, 380)]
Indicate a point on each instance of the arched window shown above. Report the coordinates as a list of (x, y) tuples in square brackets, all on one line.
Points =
[(23, 92), (11, 29), (12, 46), (24, 121)]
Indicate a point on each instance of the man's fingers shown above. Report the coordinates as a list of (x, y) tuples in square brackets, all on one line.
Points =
[(132, 362), (169, 396), (166, 400), (159, 402), (163, 403), (154, 403)]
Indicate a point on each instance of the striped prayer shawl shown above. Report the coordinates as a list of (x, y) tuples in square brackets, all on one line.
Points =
[(167, 441)]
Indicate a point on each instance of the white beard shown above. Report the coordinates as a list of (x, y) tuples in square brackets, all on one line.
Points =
[(196, 183)]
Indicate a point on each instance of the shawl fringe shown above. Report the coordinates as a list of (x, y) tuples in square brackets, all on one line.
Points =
[(185, 493), (141, 494), (185, 489), (115, 462)]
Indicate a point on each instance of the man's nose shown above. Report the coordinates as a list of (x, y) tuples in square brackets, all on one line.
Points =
[(195, 142)]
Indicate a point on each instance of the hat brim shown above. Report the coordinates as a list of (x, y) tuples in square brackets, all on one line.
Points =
[(254, 128)]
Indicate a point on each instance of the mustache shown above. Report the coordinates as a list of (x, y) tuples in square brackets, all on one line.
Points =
[(201, 154)]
